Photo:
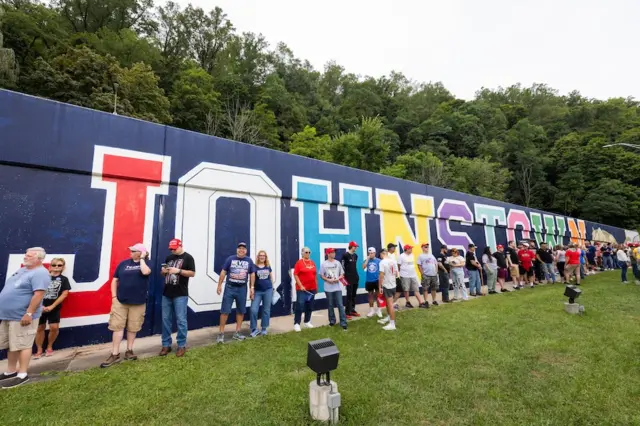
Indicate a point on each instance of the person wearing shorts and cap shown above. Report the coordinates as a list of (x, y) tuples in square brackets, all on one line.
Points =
[(238, 270), (525, 257), (371, 266), (129, 288), (409, 277), (387, 287), (428, 266), (392, 255), (513, 263), (502, 261)]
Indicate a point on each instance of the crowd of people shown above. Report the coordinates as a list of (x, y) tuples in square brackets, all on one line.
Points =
[(33, 296)]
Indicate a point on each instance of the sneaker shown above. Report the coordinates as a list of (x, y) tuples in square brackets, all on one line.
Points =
[(238, 336), (113, 359), (625, 282), (355, 314), (130, 356), (472, 295), (165, 350), (408, 305), (531, 285), (263, 332), (371, 313), (308, 324), (49, 352), (396, 307), (349, 317), (379, 313), (504, 290), (389, 327), (220, 338), (8, 376), (255, 333), (423, 306), (383, 320), (344, 328), (180, 352), (517, 287), (15, 382), (435, 303), (38, 356), (296, 327)]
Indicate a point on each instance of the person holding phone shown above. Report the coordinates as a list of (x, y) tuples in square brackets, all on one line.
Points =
[(179, 266), (129, 288)]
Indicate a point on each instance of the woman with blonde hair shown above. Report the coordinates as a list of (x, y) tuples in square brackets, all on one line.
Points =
[(52, 305), (263, 292)]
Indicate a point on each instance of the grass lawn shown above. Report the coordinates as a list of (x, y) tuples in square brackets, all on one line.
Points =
[(513, 359)]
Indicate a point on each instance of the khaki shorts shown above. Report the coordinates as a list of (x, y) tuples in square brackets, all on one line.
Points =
[(16, 337), (514, 271), (129, 316), (571, 269), (410, 284)]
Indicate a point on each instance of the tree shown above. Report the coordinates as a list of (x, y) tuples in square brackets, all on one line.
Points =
[(477, 176), (365, 148), (8, 64), (613, 202), (92, 15), (308, 144), (418, 166), (193, 98)]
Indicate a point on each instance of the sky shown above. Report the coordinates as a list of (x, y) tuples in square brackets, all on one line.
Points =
[(592, 46)]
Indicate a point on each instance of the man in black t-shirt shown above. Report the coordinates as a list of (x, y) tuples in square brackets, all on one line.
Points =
[(350, 265), (57, 292), (443, 273), (473, 266), (513, 264), (545, 256), (501, 260), (177, 269)]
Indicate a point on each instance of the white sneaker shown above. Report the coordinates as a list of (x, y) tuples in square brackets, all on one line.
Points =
[(389, 327), (530, 285), (383, 320), (308, 325), (370, 314), (296, 327), (379, 313)]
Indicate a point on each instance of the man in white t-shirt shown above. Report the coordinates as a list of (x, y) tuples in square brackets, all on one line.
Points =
[(428, 266), (409, 277), (331, 271), (387, 287)]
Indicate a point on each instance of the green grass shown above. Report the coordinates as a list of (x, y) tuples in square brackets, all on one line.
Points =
[(515, 359)]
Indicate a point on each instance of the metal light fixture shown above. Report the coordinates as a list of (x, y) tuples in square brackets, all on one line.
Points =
[(572, 292), (324, 398), (322, 358)]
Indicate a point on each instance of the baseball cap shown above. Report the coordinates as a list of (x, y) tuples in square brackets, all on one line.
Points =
[(383, 250), (174, 244), (500, 246), (391, 245), (425, 245), (525, 244), (242, 244), (138, 247), (371, 250), (443, 246), (407, 247), (329, 250), (353, 244), (471, 245)]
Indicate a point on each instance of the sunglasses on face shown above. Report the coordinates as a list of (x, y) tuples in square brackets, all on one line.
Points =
[(306, 252), (57, 265)]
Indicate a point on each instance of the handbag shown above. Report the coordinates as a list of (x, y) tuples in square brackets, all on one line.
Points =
[(382, 302)]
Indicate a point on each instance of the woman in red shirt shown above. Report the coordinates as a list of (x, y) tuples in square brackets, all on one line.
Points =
[(573, 264), (306, 276)]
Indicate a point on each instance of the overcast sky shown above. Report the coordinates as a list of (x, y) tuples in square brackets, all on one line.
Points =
[(588, 45)]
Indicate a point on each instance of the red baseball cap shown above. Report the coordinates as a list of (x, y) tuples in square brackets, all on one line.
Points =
[(329, 250), (174, 244), (353, 244), (407, 247), (500, 246)]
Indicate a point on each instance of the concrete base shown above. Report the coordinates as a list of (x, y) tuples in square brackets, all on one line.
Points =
[(318, 401), (571, 308)]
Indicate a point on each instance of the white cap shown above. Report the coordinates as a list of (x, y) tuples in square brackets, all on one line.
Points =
[(525, 244), (371, 250)]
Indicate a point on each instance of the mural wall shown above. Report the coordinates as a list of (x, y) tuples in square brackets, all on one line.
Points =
[(86, 185)]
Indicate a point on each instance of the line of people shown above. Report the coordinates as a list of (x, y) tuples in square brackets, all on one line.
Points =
[(35, 293)]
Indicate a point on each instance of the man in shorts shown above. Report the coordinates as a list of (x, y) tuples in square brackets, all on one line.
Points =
[(525, 257), (371, 265), (392, 254), (387, 287), (501, 260), (513, 263), (428, 266), (20, 308), (409, 276)]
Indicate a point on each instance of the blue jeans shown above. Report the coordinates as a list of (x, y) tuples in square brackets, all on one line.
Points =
[(231, 294), (303, 305), (174, 306), (634, 267), (265, 297), (475, 285), (547, 269), (607, 262), (623, 267), (443, 279), (334, 299)]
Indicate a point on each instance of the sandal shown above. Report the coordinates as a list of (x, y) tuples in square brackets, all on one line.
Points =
[(49, 352), (38, 355)]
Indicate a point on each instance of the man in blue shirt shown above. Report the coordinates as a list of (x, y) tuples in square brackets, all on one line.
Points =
[(20, 308), (238, 270), (372, 267)]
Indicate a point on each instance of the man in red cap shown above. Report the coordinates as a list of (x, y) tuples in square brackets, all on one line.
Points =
[(409, 276), (350, 266), (178, 267)]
